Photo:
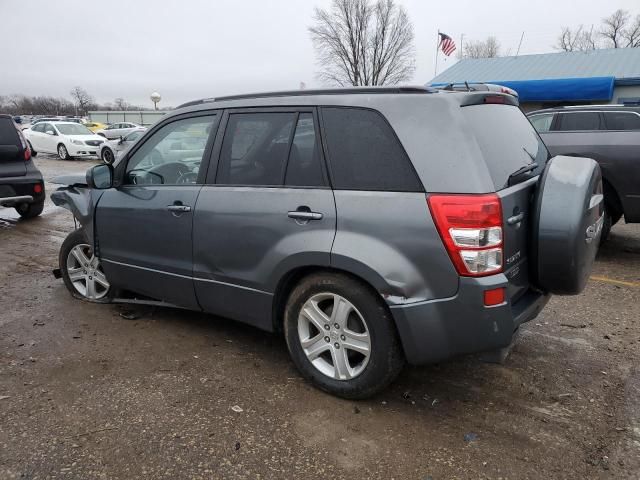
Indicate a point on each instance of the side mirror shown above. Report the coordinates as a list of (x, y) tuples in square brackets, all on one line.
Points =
[(50, 132), (121, 139), (100, 177)]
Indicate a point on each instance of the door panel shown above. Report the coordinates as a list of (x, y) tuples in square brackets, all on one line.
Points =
[(144, 246), (244, 241)]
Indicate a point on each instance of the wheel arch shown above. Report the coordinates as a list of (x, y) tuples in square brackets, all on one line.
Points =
[(290, 279), (612, 197)]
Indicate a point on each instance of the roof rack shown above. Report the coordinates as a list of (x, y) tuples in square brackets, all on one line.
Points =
[(305, 93)]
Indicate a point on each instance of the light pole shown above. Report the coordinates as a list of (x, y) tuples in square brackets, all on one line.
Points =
[(155, 98)]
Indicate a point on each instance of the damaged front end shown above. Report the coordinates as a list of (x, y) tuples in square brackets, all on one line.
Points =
[(76, 196)]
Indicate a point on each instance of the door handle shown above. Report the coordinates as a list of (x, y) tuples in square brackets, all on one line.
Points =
[(515, 219), (179, 208), (303, 215)]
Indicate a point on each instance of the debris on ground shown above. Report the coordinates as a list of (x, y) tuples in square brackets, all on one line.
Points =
[(237, 409), (130, 315), (470, 437)]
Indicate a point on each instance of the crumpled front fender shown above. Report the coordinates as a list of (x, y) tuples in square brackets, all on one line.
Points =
[(81, 202)]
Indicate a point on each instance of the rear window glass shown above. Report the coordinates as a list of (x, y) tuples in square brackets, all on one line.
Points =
[(572, 121), (8, 133), (622, 121), (365, 154), (507, 140)]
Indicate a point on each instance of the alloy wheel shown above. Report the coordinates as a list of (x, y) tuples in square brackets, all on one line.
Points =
[(62, 152), (334, 336), (86, 274)]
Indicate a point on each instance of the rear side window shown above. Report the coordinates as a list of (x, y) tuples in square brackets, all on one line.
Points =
[(542, 123), (8, 133), (622, 120), (365, 154), (255, 148), (304, 168), (507, 141), (574, 121)]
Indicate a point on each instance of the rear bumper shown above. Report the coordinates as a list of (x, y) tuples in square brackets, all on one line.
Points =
[(17, 190), (440, 329)]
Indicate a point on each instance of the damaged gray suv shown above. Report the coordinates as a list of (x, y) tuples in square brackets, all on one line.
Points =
[(372, 226)]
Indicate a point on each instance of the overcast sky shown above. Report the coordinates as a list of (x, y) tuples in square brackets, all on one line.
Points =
[(192, 49)]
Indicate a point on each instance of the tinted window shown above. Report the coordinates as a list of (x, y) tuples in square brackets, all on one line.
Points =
[(8, 133), (173, 154), (39, 127), (579, 121), (304, 167), (622, 121), (542, 123), (364, 152), (507, 140), (255, 148)]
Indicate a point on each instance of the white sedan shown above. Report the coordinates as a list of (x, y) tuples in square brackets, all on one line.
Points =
[(67, 139)]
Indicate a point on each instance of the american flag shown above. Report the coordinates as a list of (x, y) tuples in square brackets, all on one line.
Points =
[(447, 45)]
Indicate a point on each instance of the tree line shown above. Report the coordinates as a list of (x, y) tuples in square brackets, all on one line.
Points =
[(79, 103)]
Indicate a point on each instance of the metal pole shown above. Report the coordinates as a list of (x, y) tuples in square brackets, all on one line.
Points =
[(435, 73), (521, 37)]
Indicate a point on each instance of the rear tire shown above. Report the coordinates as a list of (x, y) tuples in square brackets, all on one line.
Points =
[(362, 355), (606, 224), (30, 210), (81, 270)]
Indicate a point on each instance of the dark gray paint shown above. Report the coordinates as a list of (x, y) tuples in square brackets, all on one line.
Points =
[(244, 242)]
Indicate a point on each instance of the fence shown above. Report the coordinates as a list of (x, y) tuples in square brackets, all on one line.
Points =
[(145, 117)]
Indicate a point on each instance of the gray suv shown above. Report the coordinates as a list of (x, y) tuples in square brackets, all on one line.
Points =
[(372, 226)]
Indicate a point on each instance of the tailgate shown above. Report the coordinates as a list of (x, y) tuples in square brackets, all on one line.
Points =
[(516, 233), (515, 156)]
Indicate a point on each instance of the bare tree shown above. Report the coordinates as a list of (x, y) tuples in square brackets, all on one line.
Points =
[(614, 28), (120, 104), (488, 48), (81, 98), (581, 39), (631, 34), (359, 42)]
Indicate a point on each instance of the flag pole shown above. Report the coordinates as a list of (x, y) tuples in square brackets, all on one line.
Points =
[(435, 73)]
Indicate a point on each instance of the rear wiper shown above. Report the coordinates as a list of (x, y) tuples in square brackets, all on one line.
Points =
[(522, 170)]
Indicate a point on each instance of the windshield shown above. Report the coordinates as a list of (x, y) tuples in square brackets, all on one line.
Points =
[(507, 140), (73, 129)]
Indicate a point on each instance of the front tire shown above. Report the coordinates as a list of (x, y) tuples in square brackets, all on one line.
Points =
[(63, 153), (341, 336), (107, 156), (81, 270)]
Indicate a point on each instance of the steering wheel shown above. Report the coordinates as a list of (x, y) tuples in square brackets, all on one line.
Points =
[(187, 177)]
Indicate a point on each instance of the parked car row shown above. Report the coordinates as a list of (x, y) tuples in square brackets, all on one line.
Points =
[(341, 218), (610, 134)]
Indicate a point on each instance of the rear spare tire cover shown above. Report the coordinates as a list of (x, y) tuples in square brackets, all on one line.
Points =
[(567, 222)]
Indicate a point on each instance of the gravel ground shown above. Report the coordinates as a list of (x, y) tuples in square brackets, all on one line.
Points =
[(86, 393)]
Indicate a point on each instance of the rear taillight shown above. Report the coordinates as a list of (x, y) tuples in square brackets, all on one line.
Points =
[(471, 228), (27, 154), (25, 146)]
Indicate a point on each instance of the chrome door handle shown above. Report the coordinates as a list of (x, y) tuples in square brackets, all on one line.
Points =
[(302, 215), (179, 208), (515, 219)]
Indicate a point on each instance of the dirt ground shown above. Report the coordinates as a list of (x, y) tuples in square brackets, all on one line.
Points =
[(86, 393)]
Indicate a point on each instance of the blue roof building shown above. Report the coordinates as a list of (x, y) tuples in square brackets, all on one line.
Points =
[(552, 79)]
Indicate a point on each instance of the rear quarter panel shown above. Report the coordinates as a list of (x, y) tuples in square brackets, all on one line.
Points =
[(390, 240)]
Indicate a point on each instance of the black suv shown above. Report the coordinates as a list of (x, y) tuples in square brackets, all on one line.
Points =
[(610, 134), (21, 184)]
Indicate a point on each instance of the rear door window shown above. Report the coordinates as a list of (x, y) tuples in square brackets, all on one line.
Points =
[(8, 133), (622, 120), (365, 154), (577, 121), (255, 149), (304, 168), (507, 140)]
